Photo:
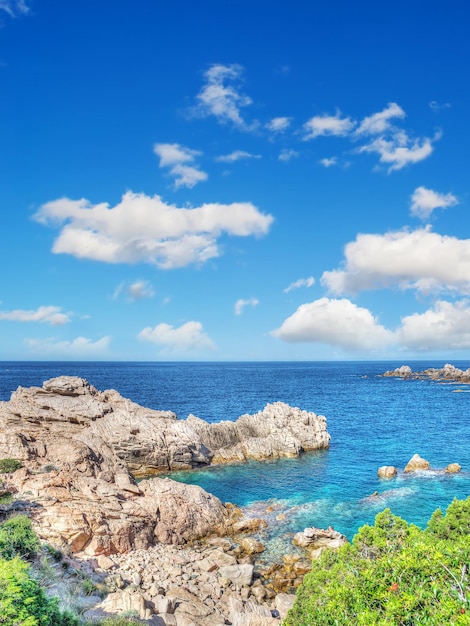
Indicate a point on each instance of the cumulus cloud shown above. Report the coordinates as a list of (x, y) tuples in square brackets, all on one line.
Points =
[(236, 155), (137, 290), (338, 323), (79, 347), (329, 162), (14, 8), (418, 259), (189, 336), (331, 125), (302, 282), (446, 326), (220, 96), (287, 155), (241, 304), (44, 314), (378, 123), (424, 201), (144, 229), (399, 150), (278, 124), (176, 158)]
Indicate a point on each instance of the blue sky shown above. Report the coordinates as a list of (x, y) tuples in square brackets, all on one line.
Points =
[(234, 180)]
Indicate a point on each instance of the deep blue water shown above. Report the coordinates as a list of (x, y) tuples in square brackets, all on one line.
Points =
[(373, 421)]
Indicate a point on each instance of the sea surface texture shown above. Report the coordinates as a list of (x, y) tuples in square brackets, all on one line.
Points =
[(373, 421)]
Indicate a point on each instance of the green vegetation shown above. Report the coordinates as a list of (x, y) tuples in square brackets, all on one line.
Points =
[(22, 600), (7, 466), (17, 538), (393, 573), (6, 498)]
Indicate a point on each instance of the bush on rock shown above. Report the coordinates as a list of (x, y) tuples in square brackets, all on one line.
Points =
[(393, 573)]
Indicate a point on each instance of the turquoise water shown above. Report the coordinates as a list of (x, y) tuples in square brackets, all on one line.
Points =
[(373, 421)]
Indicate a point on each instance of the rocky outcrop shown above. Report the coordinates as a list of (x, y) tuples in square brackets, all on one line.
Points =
[(387, 471), (82, 448), (416, 463), (448, 373), (315, 540)]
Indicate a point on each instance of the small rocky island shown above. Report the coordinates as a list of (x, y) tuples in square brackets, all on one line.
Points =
[(448, 373), (81, 451)]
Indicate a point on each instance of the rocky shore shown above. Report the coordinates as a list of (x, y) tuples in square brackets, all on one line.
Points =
[(448, 373), (175, 553)]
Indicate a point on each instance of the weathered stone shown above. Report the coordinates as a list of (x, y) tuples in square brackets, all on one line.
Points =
[(283, 602), (387, 471), (416, 463), (251, 545), (315, 538), (453, 468), (238, 575)]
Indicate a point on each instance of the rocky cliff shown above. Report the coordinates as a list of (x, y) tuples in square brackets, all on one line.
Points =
[(81, 449)]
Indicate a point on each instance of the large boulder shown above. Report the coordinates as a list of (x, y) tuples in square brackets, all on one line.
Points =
[(416, 463)]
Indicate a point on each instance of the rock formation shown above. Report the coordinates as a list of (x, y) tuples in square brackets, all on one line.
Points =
[(387, 471), (416, 463), (314, 540), (448, 373), (81, 449)]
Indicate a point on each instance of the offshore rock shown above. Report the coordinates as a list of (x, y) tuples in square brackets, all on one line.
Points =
[(448, 373), (387, 471), (81, 449), (316, 539), (416, 463)]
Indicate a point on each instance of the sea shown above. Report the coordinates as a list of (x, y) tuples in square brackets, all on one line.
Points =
[(373, 421)]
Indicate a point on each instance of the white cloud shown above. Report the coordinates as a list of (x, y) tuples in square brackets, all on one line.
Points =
[(424, 201), (378, 123), (45, 314), (335, 322), (172, 153), (189, 336), (446, 326), (302, 282), (144, 229), (241, 304), (176, 157), (278, 124), (236, 155), (14, 8), (81, 346), (138, 290), (331, 125), (329, 162), (287, 155), (221, 98), (399, 150), (418, 259), (436, 107), (187, 176)]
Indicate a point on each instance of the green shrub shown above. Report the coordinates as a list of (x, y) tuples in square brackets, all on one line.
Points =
[(9, 465), (6, 498), (23, 602), (393, 573), (17, 538)]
